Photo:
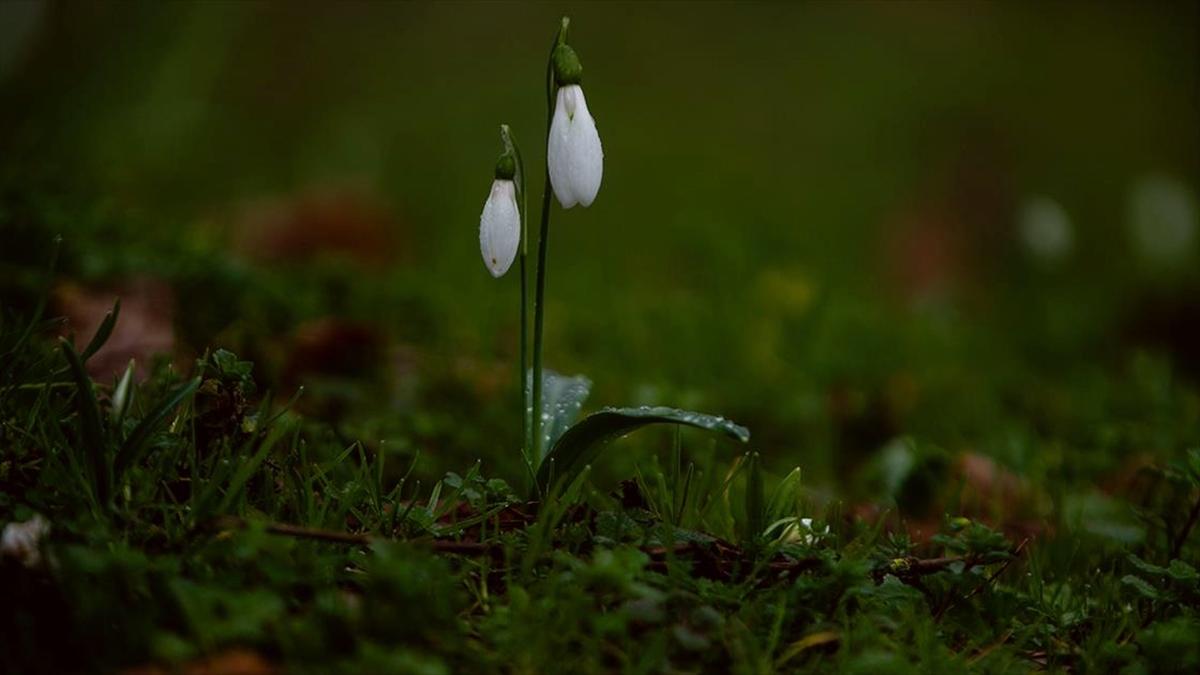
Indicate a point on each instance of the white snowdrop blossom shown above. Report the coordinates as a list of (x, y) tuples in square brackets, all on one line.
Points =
[(1162, 219), (802, 531), (1046, 230), (500, 227), (573, 153), (23, 541)]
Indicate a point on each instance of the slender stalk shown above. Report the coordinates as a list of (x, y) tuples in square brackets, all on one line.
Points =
[(523, 367), (539, 304), (539, 312), (510, 145)]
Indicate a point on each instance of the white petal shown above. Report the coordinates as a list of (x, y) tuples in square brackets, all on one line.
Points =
[(500, 228), (22, 541), (557, 154), (573, 154)]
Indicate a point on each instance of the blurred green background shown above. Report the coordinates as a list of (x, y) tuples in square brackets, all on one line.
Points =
[(838, 223)]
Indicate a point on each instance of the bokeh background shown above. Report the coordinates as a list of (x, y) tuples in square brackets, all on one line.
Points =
[(970, 225)]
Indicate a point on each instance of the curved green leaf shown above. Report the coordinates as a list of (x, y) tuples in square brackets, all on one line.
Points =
[(562, 399), (132, 449), (756, 519), (580, 444), (91, 431), (102, 333)]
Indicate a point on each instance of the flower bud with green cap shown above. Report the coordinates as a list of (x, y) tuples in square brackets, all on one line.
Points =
[(567, 68), (500, 222), (573, 152)]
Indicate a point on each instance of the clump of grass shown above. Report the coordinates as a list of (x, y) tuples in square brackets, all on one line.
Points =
[(266, 533)]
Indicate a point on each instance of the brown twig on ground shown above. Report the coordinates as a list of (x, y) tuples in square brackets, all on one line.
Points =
[(913, 567), (296, 531), (353, 539), (716, 560), (951, 601)]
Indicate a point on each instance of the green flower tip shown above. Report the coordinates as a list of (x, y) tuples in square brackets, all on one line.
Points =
[(567, 68), (506, 167)]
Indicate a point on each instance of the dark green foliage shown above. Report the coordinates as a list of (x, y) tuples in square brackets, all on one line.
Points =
[(264, 532)]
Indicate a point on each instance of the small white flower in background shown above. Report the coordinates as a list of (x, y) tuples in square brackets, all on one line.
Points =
[(23, 541), (1162, 219), (500, 227), (806, 525), (797, 531), (1045, 229)]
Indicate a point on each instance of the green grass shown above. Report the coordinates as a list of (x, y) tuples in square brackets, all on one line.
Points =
[(179, 534)]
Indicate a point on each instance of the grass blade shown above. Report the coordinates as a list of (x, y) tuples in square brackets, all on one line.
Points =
[(102, 333), (134, 447), (91, 431), (755, 509)]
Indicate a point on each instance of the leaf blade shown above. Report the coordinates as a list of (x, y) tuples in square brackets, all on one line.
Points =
[(91, 431), (131, 450), (103, 332), (562, 399), (582, 441)]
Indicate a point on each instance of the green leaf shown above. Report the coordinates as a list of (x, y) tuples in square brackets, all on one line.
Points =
[(230, 368), (134, 447), (1145, 567), (91, 432), (247, 469), (1183, 572), (1141, 586), (1193, 464), (755, 508), (785, 497), (562, 399), (102, 333), (580, 444)]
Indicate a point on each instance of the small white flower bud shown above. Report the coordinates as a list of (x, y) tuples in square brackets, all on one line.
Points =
[(1046, 229), (573, 153), (500, 227), (23, 541)]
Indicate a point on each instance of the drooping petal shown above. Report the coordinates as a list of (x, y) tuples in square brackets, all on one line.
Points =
[(500, 228), (574, 154), (558, 159)]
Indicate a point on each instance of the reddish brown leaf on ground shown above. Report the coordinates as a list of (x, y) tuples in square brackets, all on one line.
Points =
[(232, 662), (144, 329), (344, 221)]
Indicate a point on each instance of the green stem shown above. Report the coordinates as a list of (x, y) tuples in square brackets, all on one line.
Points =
[(522, 376), (511, 147), (539, 304), (539, 314)]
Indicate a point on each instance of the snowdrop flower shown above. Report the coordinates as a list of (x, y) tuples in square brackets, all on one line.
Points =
[(22, 541), (1045, 229), (1162, 219), (802, 531), (500, 222), (573, 153), (794, 530)]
